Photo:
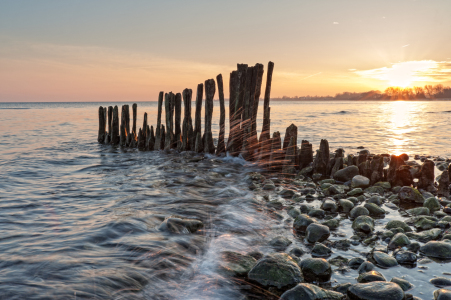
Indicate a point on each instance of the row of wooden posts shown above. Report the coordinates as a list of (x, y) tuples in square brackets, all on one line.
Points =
[(244, 90)]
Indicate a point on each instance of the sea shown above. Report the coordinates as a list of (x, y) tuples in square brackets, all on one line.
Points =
[(80, 220)]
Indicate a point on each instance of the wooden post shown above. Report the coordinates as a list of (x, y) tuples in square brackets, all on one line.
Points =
[(144, 129), (210, 90), (259, 71), (169, 121), (102, 125), (232, 87), (306, 154), (110, 123), (265, 135), (123, 133), (221, 146), (290, 157), (197, 120), (246, 115), (321, 162), (150, 142), (178, 116), (188, 136), (198, 146), (141, 140), (292, 131), (276, 143), (135, 111), (157, 145), (163, 137), (115, 127)]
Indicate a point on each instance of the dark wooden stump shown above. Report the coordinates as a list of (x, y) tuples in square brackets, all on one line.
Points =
[(187, 129), (350, 160), (110, 122), (178, 116), (135, 113), (265, 135), (115, 127), (198, 118), (292, 131), (169, 120), (163, 137), (158, 134), (221, 145), (258, 74), (144, 128), (141, 140), (377, 169), (321, 162), (232, 87), (210, 90), (102, 125), (246, 125), (306, 154), (426, 176), (150, 138), (395, 163), (289, 168), (337, 165), (443, 185), (123, 133), (198, 146)]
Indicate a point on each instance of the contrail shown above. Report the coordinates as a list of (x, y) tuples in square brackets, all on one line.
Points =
[(311, 75)]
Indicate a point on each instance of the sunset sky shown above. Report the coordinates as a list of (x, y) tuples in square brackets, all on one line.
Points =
[(108, 50)]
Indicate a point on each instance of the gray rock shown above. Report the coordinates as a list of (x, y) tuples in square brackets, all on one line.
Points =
[(418, 211), (442, 294), (360, 181), (383, 260), (374, 210), (319, 250), (410, 194), (317, 213), (317, 233), (424, 224), (307, 291), (302, 221), (359, 211), (370, 277), (332, 223), (406, 257), (440, 250), (280, 242), (441, 282), (236, 264), (365, 267), (346, 174), (376, 200), (316, 270), (329, 205), (277, 269), (355, 192), (294, 212), (355, 263), (363, 224), (404, 284), (425, 236), (398, 241), (268, 185), (375, 190), (346, 205), (432, 203), (376, 291), (398, 224)]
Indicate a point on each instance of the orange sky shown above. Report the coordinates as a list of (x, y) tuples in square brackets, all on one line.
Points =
[(112, 51)]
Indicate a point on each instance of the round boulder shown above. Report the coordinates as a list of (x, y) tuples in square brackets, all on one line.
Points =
[(440, 250), (360, 181), (307, 291), (317, 233), (375, 291), (346, 174), (316, 269)]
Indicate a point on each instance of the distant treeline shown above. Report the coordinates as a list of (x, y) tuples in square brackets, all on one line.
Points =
[(392, 93)]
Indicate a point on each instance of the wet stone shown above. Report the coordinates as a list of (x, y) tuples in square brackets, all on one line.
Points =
[(358, 211), (432, 204), (360, 181), (424, 224), (440, 250), (397, 223), (442, 294), (406, 257), (280, 243), (236, 264), (375, 190), (383, 260), (355, 262), (180, 226), (398, 241), (332, 224), (319, 250), (316, 270), (346, 174), (365, 267), (278, 270), (302, 221), (268, 185), (346, 205), (370, 276), (425, 236), (374, 210), (317, 233), (404, 284), (307, 291), (418, 211), (375, 291), (293, 212), (317, 213), (441, 282), (298, 252), (410, 194), (363, 224)]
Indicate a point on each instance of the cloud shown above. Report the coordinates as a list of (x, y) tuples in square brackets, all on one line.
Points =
[(336, 23), (405, 73), (405, 46)]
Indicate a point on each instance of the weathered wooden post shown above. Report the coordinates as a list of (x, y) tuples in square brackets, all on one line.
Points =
[(321, 162), (144, 129), (150, 143), (135, 111), (210, 90), (115, 127), (276, 144), (157, 145), (292, 131), (188, 136), (221, 146), (306, 154), (141, 140), (178, 116), (265, 137), (102, 125), (110, 124), (197, 120), (232, 87), (239, 103), (246, 113), (123, 133), (259, 71), (290, 158), (169, 118), (163, 137)]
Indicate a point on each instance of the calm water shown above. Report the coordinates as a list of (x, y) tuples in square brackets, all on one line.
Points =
[(80, 220)]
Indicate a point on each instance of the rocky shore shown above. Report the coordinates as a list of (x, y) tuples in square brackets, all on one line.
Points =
[(357, 194)]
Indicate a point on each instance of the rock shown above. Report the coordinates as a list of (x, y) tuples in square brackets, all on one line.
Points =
[(280, 243), (385, 184), (338, 261), (365, 267), (404, 284), (414, 247), (370, 276), (432, 203), (426, 236), (293, 212), (398, 224), (317, 233), (441, 282), (255, 254), (268, 185), (307, 291), (442, 294), (418, 211), (342, 288), (358, 211), (302, 221), (316, 270), (346, 174), (180, 226), (329, 205), (374, 210), (319, 250), (360, 181), (355, 192), (376, 291), (298, 252), (383, 260), (335, 189), (440, 250), (355, 263), (363, 224), (236, 264), (443, 185), (375, 190), (376, 200), (410, 194), (426, 175), (316, 213), (424, 224), (387, 234), (354, 200), (346, 205), (398, 241), (287, 193), (406, 257), (276, 204), (277, 269)]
